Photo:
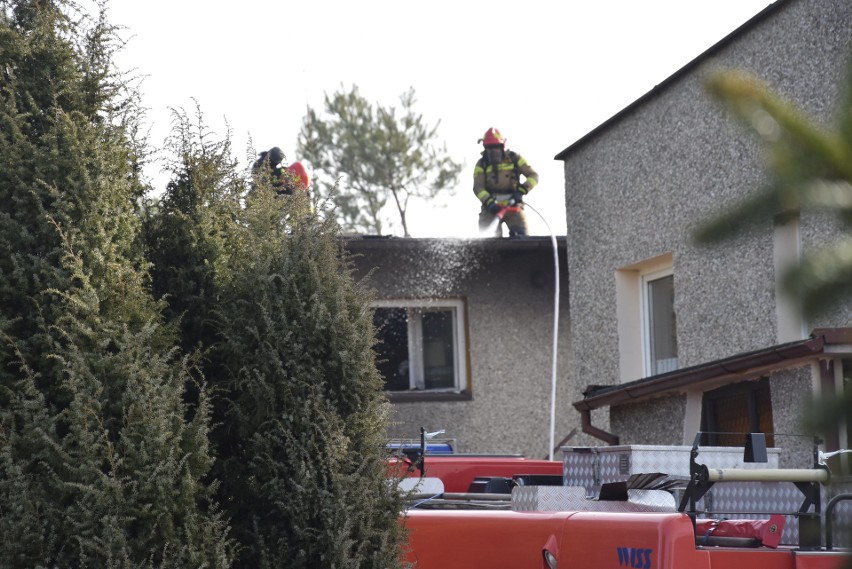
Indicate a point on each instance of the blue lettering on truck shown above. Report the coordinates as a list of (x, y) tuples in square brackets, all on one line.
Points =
[(634, 557)]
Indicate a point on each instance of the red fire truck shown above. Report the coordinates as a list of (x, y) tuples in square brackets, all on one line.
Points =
[(465, 519)]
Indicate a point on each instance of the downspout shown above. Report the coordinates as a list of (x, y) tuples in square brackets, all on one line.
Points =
[(589, 429)]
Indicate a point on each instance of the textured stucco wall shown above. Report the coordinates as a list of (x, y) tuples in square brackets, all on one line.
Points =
[(509, 296), (638, 188), (659, 420), (790, 391), (819, 230)]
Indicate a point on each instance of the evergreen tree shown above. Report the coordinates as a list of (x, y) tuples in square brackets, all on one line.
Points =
[(102, 463), (299, 405), (306, 425), (380, 156), (185, 231)]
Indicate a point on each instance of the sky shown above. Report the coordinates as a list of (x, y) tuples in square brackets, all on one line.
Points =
[(544, 73)]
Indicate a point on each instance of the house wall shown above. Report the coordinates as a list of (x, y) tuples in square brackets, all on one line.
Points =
[(637, 189), (657, 420), (509, 296), (790, 392)]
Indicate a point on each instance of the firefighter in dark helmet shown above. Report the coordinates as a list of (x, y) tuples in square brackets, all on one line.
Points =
[(285, 180), (497, 184)]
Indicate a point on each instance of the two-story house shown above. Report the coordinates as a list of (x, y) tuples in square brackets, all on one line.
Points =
[(669, 337)]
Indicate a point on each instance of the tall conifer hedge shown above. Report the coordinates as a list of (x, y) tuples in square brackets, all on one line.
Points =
[(102, 461), (126, 333), (299, 407)]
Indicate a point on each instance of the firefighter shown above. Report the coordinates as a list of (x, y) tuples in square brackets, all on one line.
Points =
[(497, 184), (285, 180)]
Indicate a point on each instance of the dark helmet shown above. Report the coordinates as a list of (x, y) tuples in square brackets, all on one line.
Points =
[(275, 155)]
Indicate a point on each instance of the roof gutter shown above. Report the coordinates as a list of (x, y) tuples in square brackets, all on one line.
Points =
[(751, 363)]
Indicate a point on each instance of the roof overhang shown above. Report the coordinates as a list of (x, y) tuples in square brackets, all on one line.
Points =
[(824, 342), (363, 243)]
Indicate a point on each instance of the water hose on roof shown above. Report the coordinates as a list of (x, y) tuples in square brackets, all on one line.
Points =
[(555, 331)]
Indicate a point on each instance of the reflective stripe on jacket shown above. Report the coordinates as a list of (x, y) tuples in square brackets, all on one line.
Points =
[(503, 177)]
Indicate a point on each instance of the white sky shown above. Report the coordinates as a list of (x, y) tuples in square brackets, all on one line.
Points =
[(545, 73)]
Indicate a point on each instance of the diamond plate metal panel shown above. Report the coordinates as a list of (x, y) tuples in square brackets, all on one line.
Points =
[(547, 498), (842, 519), (592, 466), (755, 500), (569, 498)]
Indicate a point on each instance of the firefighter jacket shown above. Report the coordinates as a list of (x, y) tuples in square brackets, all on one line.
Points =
[(500, 181)]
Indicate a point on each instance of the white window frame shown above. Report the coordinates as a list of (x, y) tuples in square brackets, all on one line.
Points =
[(631, 314), (645, 279), (791, 323), (414, 309)]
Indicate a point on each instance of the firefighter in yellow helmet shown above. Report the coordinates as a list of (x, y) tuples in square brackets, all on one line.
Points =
[(497, 184)]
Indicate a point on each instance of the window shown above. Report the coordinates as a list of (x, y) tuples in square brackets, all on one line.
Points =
[(659, 323), (421, 346), (740, 408), (647, 327), (787, 253)]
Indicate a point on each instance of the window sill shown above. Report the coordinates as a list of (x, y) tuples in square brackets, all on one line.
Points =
[(426, 396)]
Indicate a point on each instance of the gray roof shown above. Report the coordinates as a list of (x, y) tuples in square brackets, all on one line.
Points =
[(498, 244)]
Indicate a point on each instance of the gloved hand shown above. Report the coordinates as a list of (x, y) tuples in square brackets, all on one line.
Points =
[(493, 207), (517, 197)]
